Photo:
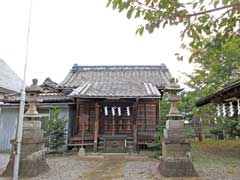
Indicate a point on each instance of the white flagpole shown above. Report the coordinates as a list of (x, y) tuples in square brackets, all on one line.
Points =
[(22, 104)]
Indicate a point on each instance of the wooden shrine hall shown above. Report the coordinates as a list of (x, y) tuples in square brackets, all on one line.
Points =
[(116, 107)]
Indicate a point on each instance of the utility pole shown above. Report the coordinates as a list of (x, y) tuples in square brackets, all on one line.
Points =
[(22, 104)]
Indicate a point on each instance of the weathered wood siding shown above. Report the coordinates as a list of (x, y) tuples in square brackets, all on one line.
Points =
[(144, 119), (147, 121)]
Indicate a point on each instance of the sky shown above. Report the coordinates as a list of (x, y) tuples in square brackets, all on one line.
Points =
[(65, 32)]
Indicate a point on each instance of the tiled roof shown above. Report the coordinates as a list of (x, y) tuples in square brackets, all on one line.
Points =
[(9, 80), (46, 97), (117, 81), (49, 82)]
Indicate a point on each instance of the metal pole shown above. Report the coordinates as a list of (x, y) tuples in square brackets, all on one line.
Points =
[(22, 105)]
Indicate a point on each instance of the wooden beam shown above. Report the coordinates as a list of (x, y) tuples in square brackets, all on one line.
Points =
[(96, 127)]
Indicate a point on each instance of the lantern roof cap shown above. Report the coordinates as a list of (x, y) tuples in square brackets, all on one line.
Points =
[(34, 88)]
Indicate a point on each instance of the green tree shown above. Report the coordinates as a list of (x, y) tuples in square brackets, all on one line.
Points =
[(216, 66), (55, 130), (201, 19)]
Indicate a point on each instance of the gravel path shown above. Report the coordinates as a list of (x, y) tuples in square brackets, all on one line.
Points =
[(124, 168), (140, 170), (65, 168)]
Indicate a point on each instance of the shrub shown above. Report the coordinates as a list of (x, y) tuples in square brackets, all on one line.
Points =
[(216, 131), (55, 131)]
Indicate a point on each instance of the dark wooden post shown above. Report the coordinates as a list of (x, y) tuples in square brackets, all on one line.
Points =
[(96, 127), (135, 126), (158, 113), (76, 129)]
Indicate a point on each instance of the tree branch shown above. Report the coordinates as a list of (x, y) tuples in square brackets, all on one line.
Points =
[(213, 10), (191, 14)]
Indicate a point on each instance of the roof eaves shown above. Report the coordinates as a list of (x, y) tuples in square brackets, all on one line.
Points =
[(209, 98)]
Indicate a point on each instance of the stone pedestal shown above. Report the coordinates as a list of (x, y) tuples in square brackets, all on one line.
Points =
[(32, 159), (81, 152), (177, 167), (176, 150), (32, 156)]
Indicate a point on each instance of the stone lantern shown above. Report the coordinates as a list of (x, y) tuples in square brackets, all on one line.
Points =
[(32, 93), (173, 89), (32, 159), (176, 150)]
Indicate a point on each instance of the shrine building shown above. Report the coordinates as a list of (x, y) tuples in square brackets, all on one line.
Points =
[(109, 108)]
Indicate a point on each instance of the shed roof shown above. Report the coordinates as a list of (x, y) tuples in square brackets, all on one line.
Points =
[(230, 90), (9, 80), (117, 81)]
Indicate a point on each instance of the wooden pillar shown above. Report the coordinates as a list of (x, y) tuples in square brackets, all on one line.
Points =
[(76, 128), (135, 126), (158, 113), (96, 127)]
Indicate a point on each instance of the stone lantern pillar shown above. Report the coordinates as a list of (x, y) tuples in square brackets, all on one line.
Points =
[(32, 157), (176, 150)]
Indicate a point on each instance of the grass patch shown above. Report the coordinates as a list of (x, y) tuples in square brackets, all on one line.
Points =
[(216, 152)]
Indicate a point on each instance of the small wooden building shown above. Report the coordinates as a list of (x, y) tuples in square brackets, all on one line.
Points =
[(228, 93), (116, 107)]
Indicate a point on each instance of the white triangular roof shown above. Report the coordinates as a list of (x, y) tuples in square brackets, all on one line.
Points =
[(9, 80)]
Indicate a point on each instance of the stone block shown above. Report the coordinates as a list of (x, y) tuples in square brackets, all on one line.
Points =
[(174, 124), (32, 125), (174, 134), (36, 156), (32, 136), (81, 152), (30, 148), (177, 167), (27, 168), (175, 150)]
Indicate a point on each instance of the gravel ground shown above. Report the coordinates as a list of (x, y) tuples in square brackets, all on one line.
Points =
[(125, 168), (3, 161), (139, 170), (222, 172), (148, 171), (64, 168)]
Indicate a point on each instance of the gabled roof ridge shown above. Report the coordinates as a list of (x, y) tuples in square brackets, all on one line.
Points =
[(79, 68), (48, 81)]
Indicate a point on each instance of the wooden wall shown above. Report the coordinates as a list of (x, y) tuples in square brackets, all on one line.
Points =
[(144, 120)]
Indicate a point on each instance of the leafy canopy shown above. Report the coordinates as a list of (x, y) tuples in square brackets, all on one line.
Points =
[(201, 19), (217, 65)]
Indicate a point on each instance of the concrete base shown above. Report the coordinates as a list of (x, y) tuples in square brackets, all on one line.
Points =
[(27, 168), (177, 167), (81, 152)]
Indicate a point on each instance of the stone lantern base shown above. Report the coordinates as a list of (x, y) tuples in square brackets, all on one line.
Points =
[(176, 151), (28, 168), (32, 157), (177, 167)]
